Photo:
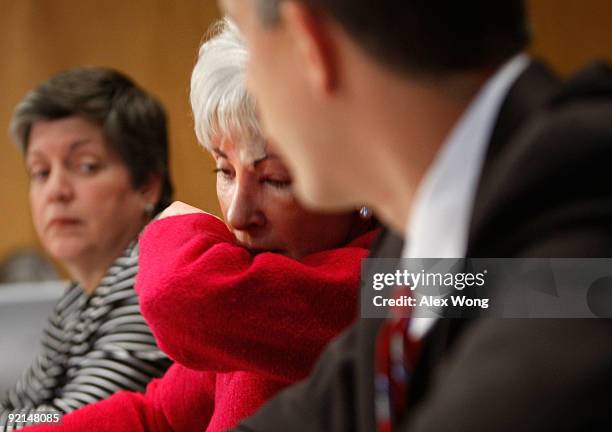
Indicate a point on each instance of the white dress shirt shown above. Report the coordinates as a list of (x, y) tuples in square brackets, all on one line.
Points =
[(442, 208)]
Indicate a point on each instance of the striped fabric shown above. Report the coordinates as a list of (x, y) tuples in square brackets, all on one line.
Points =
[(93, 347)]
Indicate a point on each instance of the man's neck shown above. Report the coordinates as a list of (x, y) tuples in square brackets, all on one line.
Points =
[(406, 125)]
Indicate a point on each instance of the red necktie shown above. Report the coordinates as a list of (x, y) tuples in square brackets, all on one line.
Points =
[(396, 356)]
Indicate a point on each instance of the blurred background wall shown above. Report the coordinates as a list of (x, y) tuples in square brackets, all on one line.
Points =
[(155, 42)]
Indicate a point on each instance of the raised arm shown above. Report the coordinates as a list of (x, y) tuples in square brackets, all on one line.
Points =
[(213, 306)]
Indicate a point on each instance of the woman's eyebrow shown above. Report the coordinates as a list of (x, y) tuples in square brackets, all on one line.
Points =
[(260, 160), (71, 149), (266, 157), (77, 144), (219, 153), (33, 154)]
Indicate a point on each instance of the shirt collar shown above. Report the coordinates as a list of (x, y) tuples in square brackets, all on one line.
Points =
[(442, 209)]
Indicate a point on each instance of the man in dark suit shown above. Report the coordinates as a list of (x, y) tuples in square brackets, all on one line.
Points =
[(429, 112)]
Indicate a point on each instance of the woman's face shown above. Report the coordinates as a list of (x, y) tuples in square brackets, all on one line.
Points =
[(84, 207), (258, 205)]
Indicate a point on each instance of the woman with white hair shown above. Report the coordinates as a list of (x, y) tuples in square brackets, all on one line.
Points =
[(244, 306)]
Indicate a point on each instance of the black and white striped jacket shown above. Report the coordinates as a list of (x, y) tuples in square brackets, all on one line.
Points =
[(92, 347)]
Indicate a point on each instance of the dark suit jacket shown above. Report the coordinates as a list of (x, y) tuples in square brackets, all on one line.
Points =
[(545, 191)]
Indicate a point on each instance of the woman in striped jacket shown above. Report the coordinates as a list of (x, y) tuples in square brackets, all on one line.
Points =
[(95, 148)]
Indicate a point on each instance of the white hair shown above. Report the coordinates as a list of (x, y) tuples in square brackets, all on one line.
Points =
[(221, 105)]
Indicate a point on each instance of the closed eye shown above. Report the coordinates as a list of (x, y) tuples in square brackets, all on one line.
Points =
[(224, 172), (279, 184)]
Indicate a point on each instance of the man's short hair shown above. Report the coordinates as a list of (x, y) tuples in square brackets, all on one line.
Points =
[(430, 37), (133, 122)]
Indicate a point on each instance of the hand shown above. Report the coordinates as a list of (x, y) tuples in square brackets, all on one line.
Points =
[(178, 208)]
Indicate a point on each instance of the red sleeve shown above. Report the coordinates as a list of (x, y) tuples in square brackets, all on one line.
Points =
[(181, 400), (213, 306)]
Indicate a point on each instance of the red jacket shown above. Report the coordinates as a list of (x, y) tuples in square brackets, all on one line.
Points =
[(239, 328)]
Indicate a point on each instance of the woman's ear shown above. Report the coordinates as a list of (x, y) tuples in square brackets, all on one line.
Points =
[(151, 190), (312, 44)]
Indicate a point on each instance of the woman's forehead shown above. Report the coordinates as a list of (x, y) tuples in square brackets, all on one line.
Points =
[(247, 150)]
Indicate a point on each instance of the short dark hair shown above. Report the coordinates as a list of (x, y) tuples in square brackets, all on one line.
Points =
[(432, 37), (133, 121)]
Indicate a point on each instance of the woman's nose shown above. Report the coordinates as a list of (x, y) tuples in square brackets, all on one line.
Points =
[(244, 212), (59, 186)]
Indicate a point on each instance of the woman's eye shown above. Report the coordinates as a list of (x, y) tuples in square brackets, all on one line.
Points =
[(279, 184), (88, 167), (224, 172), (39, 174)]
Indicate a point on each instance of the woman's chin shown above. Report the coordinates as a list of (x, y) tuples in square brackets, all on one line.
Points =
[(67, 253)]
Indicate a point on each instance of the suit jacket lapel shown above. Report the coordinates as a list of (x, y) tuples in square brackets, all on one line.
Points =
[(528, 94)]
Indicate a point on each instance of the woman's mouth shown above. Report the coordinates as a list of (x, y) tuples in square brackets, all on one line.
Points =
[(255, 249), (64, 222)]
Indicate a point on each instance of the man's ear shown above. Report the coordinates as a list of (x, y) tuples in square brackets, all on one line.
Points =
[(312, 45)]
